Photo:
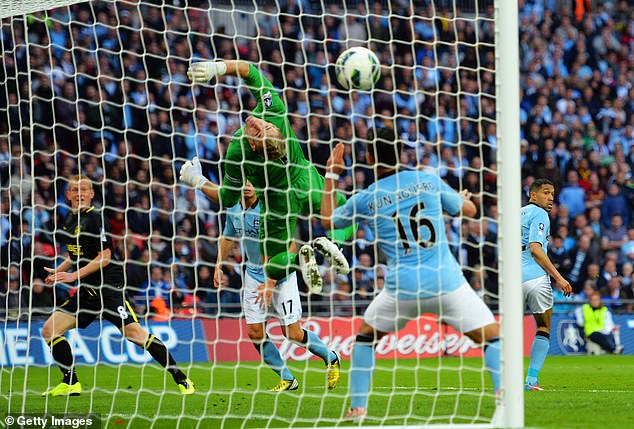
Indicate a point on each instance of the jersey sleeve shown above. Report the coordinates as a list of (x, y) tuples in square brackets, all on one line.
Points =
[(451, 201), (537, 228), (230, 229), (231, 188), (353, 210), (262, 89)]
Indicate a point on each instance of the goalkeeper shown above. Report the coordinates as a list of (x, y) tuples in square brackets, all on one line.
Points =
[(265, 151)]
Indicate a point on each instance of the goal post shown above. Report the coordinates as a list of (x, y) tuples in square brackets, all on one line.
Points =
[(110, 98), (509, 183)]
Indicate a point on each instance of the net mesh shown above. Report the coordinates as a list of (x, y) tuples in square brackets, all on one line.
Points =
[(100, 88)]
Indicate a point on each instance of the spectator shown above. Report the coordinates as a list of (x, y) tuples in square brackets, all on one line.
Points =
[(573, 195), (615, 237), (614, 205), (41, 298), (342, 297), (581, 257), (627, 250), (598, 326), (154, 288)]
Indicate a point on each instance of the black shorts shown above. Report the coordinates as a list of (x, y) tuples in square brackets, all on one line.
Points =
[(108, 303)]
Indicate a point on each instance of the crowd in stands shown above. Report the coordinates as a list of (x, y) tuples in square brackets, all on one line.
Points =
[(110, 98)]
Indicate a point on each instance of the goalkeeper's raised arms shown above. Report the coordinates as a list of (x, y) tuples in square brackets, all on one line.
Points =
[(204, 71), (192, 174)]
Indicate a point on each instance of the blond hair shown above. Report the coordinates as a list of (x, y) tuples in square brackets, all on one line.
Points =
[(274, 145), (80, 178)]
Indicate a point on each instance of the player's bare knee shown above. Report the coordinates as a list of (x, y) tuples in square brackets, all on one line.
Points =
[(477, 335), (47, 330), (255, 332), (135, 333), (294, 332)]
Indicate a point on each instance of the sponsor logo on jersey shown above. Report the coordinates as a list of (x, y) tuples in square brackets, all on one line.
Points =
[(267, 99), (75, 250), (102, 235)]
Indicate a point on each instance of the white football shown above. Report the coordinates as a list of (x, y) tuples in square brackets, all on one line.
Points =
[(357, 68)]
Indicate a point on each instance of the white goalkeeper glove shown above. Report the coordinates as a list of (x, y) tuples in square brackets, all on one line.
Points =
[(192, 173), (203, 71)]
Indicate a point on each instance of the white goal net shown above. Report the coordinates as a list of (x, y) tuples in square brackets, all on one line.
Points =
[(100, 88)]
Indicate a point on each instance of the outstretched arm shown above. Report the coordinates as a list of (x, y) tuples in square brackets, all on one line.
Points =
[(204, 71), (261, 88), (334, 167), (191, 173)]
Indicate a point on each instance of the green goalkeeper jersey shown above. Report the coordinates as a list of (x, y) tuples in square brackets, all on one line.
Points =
[(274, 180)]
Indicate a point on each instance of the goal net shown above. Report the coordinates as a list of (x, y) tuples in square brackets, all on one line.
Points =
[(100, 88)]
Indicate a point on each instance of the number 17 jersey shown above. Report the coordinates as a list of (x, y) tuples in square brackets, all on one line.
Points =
[(404, 210)]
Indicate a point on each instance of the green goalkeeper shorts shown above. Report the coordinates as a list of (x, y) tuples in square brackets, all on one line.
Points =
[(278, 226)]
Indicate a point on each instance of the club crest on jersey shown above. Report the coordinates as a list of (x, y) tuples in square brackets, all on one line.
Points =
[(267, 99), (541, 227), (77, 230), (256, 222)]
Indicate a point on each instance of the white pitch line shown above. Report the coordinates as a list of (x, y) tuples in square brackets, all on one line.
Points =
[(429, 389)]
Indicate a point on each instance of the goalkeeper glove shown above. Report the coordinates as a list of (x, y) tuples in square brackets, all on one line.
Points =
[(203, 71), (192, 173)]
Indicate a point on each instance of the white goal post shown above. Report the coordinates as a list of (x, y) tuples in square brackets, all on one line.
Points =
[(242, 17)]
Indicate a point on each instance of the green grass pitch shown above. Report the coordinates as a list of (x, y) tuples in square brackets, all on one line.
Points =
[(582, 392)]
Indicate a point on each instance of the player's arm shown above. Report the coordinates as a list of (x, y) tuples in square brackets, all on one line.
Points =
[(334, 167), (469, 208), (224, 250), (204, 71), (101, 260), (544, 261), (61, 268), (258, 84), (456, 202), (192, 174)]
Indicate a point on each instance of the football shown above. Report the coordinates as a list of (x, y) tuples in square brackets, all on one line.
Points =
[(357, 68)]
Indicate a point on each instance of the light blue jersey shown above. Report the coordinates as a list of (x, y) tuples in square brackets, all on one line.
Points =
[(405, 213), (245, 225), (535, 229)]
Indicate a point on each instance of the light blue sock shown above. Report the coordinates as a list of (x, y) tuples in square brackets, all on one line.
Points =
[(272, 357), (316, 346), (361, 370), (541, 344), (492, 362)]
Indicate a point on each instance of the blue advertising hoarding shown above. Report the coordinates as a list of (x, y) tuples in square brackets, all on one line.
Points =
[(101, 343), (566, 338)]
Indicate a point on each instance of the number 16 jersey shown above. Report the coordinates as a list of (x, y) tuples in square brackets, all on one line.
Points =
[(404, 210)]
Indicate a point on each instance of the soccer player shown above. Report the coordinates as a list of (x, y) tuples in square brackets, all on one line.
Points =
[(243, 222), (404, 210), (101, 293), (536, 272), (265, 151)]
